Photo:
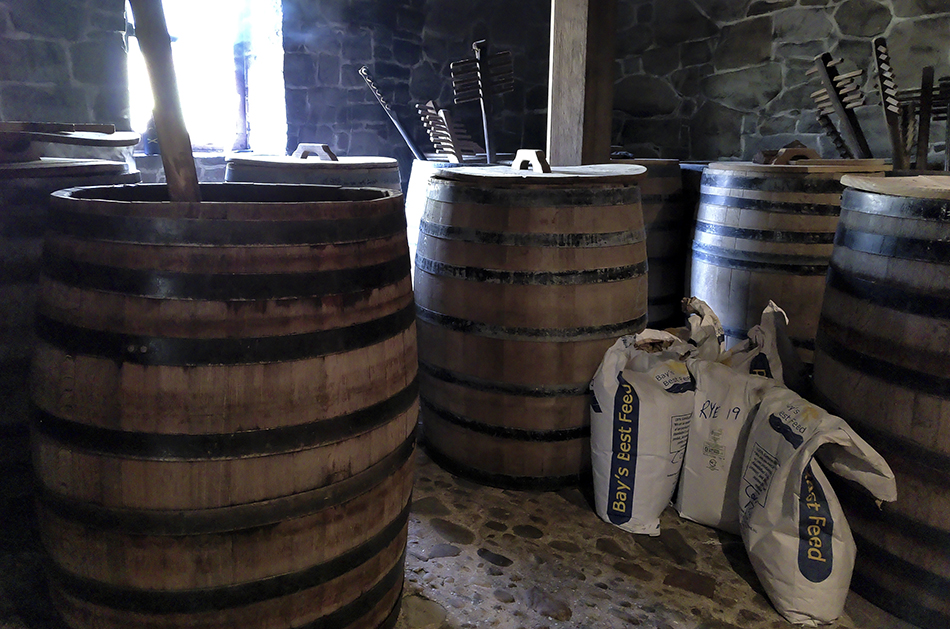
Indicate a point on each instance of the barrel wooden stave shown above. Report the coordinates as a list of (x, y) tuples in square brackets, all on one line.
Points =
[(295, 442), (667, 220), (882, 353), (24, 198), (518, 297), (766, 233)]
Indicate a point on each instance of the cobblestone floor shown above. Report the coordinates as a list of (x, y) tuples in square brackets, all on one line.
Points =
[(484, 557)]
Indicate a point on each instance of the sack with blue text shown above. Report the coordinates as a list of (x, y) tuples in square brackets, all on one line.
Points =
[(791, 523), (640, 411), (726, 400)]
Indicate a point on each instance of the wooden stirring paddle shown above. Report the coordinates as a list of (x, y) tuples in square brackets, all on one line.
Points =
[(180, 173)]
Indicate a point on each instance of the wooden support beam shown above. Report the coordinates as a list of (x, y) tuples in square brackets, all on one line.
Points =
[(581, 81)]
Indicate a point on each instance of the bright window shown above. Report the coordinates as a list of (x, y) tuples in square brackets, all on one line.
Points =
[(228, 57)]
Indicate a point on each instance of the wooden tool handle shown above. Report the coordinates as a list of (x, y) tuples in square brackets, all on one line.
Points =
[(152, 34)]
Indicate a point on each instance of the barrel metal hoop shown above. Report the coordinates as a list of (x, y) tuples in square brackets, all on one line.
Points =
[(762, 205), (899, 375), (177, 522), (159, 284), (772, 182), (877, 293), (920, 250), (167, 351), (510, 333), (758, 262), (548, 195), (504, 432), (674, 199), (493, 386), (159, 603), (767, 235), (864, 505), (187, 231), (898, 604), (125, 444), (922, 579), (506, 481), (537, 239), (531, 278), (854, 200)]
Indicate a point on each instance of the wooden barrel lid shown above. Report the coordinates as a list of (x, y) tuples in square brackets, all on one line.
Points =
[(285, 162), (920, 186), (808, 166), (590, 173), (60, 167)]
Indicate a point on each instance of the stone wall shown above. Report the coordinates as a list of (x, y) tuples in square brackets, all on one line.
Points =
[(408, 46), (705, 79), (63, 61)]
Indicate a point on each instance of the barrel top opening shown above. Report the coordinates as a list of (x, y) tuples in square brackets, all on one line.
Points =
[(230, 193), (289, 161), (590, 173), (920, 186), (808, 166)]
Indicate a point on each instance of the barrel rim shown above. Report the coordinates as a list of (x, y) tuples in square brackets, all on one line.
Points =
[(354, 162), (111, 195), (918, 187), (559, 175), (809, 166)]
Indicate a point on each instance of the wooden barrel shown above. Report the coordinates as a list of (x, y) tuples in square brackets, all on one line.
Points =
[(225, 403), (765, 232), (24, 201), (523, 280), (353, 172), (883, 363), (668, 224)]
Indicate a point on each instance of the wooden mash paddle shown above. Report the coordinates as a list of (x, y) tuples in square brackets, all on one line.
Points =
[(152, 33)]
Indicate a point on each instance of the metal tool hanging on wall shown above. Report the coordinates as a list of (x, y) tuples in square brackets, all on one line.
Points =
[(447, 136), (364, 72), (900, 127), (481, 78), (910, 112), (839, 95)]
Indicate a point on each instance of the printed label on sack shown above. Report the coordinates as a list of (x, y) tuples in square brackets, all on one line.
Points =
[(815, 528), (760, 366), (793, 421), (675, 378), (626, 425), (757, 479), (679, 434)]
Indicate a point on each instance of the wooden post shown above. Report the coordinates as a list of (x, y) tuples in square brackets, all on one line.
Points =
[(581, 81), (152, 33)]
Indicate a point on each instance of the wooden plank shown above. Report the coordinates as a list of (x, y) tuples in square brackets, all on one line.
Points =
[(152, 34), (580, 92)]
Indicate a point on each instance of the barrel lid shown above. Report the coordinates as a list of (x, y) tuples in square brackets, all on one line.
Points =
[(645, 161), (590, 173), (920, 186), (60, 167), (808, 166), (313, 163)]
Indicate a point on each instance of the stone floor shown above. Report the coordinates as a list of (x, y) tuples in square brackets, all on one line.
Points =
[(485, 557)]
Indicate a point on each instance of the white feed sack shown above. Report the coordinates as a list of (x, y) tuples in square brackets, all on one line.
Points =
[(791, 523), (640, 412), (724, 403), (727, 394)]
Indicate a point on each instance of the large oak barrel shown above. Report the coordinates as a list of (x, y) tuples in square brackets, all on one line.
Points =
[(24, 201), (668, 222), (225, 402), (883, 363), (765, 232), (523, 280)]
